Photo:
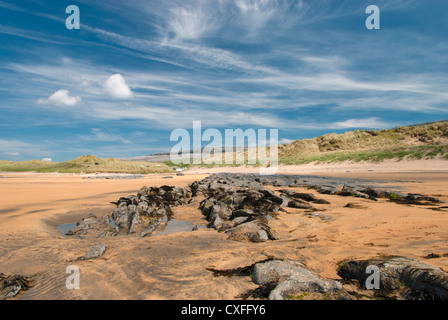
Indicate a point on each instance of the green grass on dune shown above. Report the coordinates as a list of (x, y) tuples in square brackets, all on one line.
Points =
[(396, 153), (85, 164)]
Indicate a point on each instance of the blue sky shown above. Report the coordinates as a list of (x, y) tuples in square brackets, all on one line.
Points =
[(136, 70)]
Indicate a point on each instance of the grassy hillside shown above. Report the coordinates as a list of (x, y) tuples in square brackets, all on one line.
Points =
[(421, 141), (85, 164)]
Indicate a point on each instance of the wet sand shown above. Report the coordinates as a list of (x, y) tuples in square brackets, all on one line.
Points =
[(173, 266)]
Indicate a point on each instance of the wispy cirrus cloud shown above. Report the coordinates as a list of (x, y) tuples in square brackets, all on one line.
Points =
[(99, 135), (368, 123), (9, 153), (303, 66), (16, 149)]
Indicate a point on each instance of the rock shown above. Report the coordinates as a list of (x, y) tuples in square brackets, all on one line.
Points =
[(198, 188), (126, 218), (11, 285), (327, 190), (237, 207), (368, 189), (291, 277), (321, 201), (432, 256), (102, 235), (300, 205), (354, 206), (253, 231), (435, 255), (297, 195), (96, 252), (323, 217), (206, 205), (400, 277), (152, 227), (142, 208), (247, 213), (420, 197), (219, 213), (233, 223), (149, 203)]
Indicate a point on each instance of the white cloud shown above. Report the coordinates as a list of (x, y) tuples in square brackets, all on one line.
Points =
[(61, 98), (285, 141), (189, 24), (99, 135), (258, 12), (372, 123), (12, 144), (117, 87), (47, 159), (14, 148), (12, 153)]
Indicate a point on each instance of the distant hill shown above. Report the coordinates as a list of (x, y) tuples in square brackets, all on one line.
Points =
[(420, 141), (86, 160), (165, 156), (85, 164)]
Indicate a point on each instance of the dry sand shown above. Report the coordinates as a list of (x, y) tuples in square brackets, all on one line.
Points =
[(173, 266)]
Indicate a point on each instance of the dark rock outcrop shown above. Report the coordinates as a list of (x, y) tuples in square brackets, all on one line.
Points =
[(11, 285), (281, 279), (234, 200), (292, 278), (253, 231), (361, 188), (238, 206), (399, 277), (140, 213)]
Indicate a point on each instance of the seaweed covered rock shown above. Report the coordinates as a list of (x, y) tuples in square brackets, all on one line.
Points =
[(289, 278), (11, 285), (399, 277), (239, 208), (360, 188), (137, 213), (253, 231)]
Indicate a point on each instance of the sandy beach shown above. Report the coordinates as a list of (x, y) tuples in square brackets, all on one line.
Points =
[(174, 265)]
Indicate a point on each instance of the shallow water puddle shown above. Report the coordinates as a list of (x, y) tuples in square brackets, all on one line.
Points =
[(66, 227), (174, 226)]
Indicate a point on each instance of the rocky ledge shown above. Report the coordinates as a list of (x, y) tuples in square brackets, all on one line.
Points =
[(399, 278), (361, 188), (12, 285), (140, 213), (237, 204)]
